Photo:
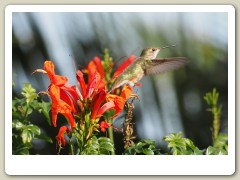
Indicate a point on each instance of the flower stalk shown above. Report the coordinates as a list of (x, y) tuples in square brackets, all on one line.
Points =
[(128, 126)]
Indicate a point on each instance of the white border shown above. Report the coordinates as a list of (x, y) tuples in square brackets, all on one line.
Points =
[(119, 165)]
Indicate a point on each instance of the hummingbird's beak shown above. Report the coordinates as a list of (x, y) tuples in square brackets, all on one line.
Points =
[(168, 46)]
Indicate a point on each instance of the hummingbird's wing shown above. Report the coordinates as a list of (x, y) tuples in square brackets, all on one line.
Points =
[(160, 65)]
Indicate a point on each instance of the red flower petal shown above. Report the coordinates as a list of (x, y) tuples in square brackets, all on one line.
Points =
[(68, 99), (60, 106), (49, 67), (82, 83), (70, 118), (72, 90), (103, 126), (92, 70), (123, 66), (55, 79), (96, 102), (126, 92), (110, 97), (60, 137), (119, 105), (119, 101), (59, 80), (93, 84), (98, 63), (54, 92), (105, 107)]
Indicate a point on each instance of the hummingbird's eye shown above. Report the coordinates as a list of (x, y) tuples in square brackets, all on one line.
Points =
[(153, 49)]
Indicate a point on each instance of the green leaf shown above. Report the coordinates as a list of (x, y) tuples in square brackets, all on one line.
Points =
[(17, 124), (23, 152), (108, 146), (198, 151), (46, 107), (29, 93), (144, 146), (44, 137), (24, 111), (129, 151), (180, 145), (34, 129), (215, 151), (222, 152), (148, 151), (139, 147), (221, 141), (211, 151), (110, 113), (103, 139), (27, 136), (92, 147), (189, 143), (148, 141)]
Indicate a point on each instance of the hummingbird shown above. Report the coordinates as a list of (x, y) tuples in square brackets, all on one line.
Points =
[(147, 64)]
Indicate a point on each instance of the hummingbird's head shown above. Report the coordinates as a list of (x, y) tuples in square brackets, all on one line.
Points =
[(150, 53)]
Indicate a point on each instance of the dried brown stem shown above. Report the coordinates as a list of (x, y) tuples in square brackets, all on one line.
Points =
[(128, 126)]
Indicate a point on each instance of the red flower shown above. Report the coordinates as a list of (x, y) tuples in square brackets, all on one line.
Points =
[(116, 102), (82, 83), (105, 107), (99, 66), (49, 70), (103, 126), (96, 103), (93, 97), (95, 79), (62, 94), (59, 106), (91, 70), (60, 137)]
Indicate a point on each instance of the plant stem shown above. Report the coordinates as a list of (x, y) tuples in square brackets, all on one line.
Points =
[(216, 123), (128, 124), (110, 132), (71, 146)]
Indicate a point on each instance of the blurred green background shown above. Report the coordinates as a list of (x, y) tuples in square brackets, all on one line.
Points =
[(169, 102)]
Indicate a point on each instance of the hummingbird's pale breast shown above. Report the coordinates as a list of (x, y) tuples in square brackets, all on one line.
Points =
[(131, 75)]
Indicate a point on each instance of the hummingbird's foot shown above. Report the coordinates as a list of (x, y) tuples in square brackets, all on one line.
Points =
[(134, 96)]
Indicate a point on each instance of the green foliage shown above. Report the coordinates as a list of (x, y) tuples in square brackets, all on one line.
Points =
[(220, 146), (44, 108), (107, 65), (184, 146), (29, 93), (98, 146), (144, 147), (24, 132), (181, 146), (212, 100), (220, 141)]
